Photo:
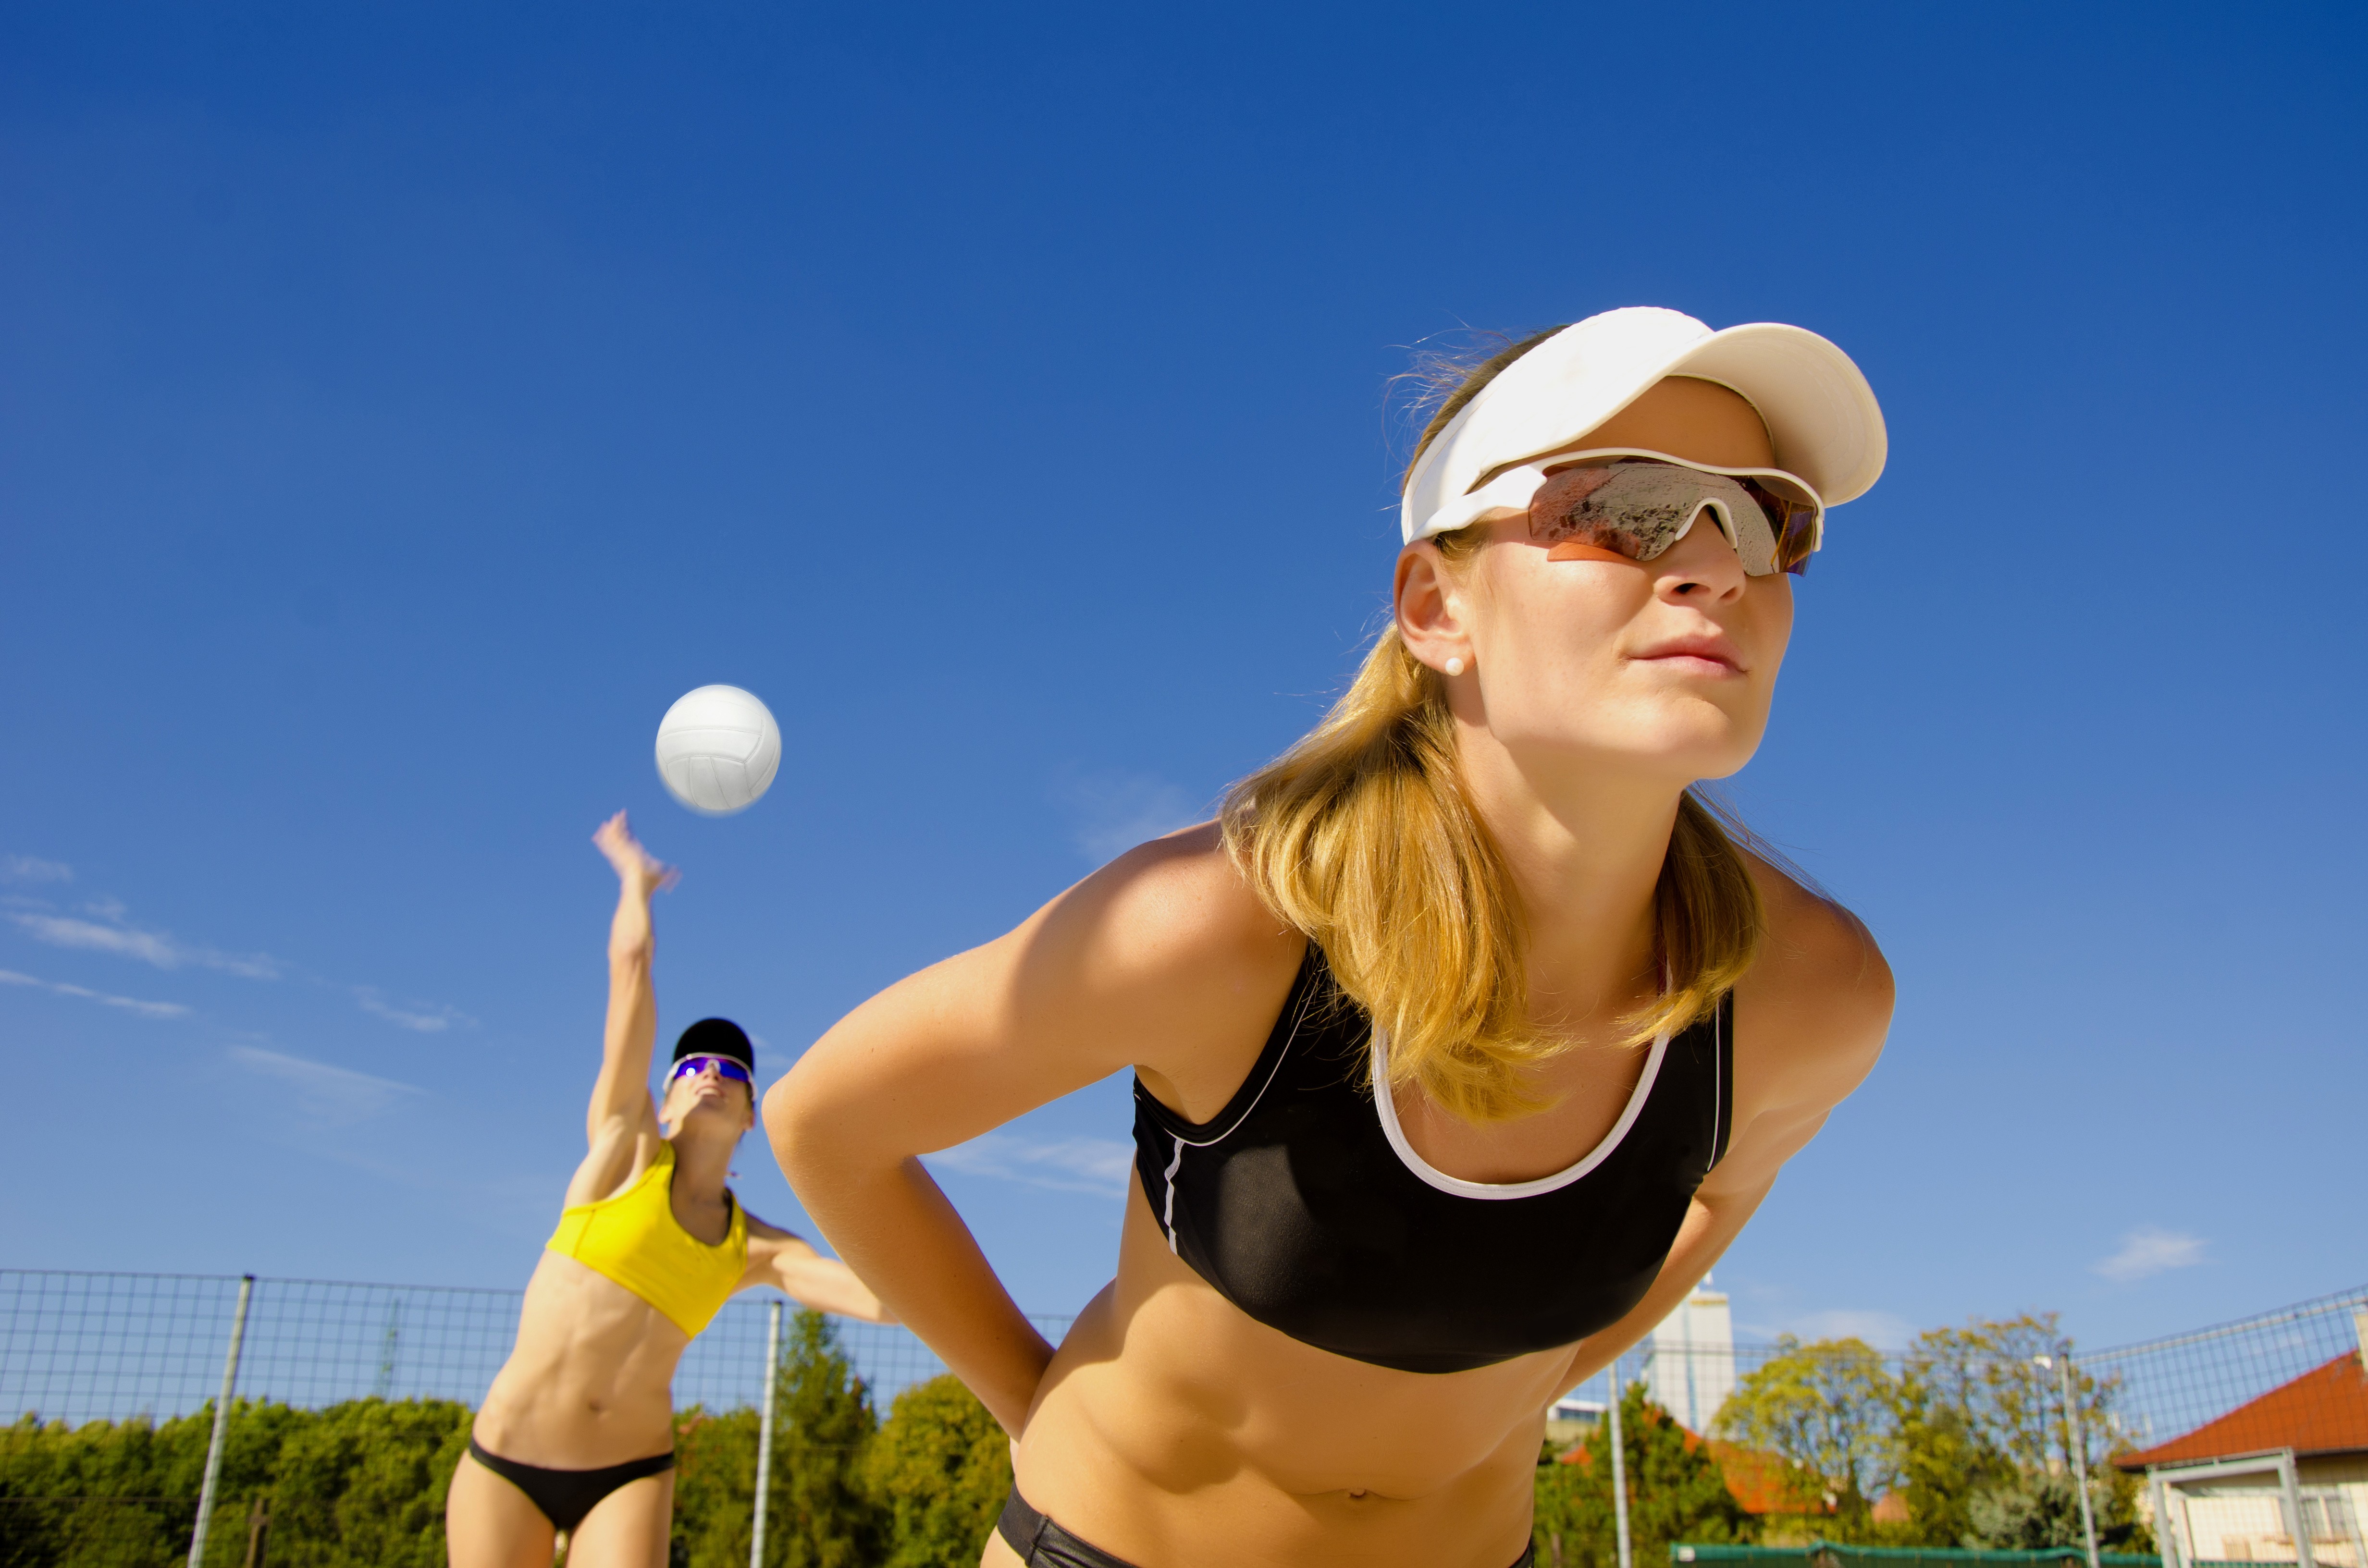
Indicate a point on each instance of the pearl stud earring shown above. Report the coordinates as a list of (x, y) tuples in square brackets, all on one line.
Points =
[(1455, 664)]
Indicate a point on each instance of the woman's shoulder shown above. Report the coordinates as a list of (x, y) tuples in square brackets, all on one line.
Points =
[(1176, 907), (1818, 997), (1170, 947)]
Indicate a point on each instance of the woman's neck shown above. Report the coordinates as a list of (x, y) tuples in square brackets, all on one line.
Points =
[(1584, 847), (701, 1165)]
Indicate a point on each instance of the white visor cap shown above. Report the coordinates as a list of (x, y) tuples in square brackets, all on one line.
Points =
[(1821, 415)]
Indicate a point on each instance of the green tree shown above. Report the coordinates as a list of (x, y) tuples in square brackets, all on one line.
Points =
[(940, 1468), (714, 1488), (1830, 1411), (1944, 1463), (1983, 1438), (357, 1484), (818, 1515), (361, 1483), (97, 1496), (1676, 1492)]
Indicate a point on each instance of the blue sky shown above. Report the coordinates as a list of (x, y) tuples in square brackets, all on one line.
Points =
[(400, 405)]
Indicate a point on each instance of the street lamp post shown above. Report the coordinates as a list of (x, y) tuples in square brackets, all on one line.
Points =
[(2075, 1444)]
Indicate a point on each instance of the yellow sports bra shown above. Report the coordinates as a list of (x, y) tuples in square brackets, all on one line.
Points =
[(634, 1239)]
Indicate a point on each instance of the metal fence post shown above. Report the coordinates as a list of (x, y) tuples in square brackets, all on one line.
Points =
[(221, 1424), (1619, 1470), (2290, 1486), (2076, 1449), (2167, 1539), (765, 1434)]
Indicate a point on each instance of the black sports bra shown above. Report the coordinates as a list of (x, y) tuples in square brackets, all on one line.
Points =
[(1304, 1205)]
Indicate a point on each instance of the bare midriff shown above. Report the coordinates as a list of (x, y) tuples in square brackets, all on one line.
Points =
[(590, 1382), (1175, 1431)]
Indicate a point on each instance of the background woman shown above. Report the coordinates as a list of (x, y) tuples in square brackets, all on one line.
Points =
[(576, 1434), (1464, 1041)]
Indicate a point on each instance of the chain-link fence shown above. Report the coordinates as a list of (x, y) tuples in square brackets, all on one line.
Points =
[(154, 1349), (2151, 1394), (2247, 1442), (78, 1347), (2244, 1442)]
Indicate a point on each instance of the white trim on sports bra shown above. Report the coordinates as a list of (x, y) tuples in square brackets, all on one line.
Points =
[(1387, 1104)]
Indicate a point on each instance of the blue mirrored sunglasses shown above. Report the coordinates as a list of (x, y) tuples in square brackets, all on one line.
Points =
[(691, 1066)]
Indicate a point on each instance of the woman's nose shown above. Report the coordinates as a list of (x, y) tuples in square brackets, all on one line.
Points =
[(1703, 569)]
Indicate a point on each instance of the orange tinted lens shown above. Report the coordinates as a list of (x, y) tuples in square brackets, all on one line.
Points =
[(1794, 523)]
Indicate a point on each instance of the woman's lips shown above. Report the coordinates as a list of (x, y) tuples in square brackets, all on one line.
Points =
[(1693, 655)]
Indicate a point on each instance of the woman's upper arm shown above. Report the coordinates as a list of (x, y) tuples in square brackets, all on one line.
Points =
[(1810, 1021), (1162, 959), (620, 1153)]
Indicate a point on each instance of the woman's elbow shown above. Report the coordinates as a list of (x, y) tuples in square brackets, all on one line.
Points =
[(800, 1132)]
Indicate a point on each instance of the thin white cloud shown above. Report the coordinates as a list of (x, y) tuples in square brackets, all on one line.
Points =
[(2150, 1250), (1070, 1164), (148, 947), (31, 869), (129, 1004), (425, 1017), (1115, 811), (330, 1096)]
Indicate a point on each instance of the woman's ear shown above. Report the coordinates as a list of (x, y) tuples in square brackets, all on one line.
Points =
[(1429, 604)]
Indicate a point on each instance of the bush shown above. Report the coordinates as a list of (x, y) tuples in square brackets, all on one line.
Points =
[(356, 1485), (941, 1468)]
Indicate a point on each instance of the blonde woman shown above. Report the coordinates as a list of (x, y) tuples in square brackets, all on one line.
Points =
[(576, 1434), (1464, 1041)]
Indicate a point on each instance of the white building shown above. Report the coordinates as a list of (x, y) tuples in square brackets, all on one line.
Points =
[(1689, 1365)]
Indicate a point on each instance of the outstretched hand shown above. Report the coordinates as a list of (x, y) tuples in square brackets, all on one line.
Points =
[(636, 868)]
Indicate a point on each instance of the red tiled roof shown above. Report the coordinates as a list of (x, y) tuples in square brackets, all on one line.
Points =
[(2325, 1411)]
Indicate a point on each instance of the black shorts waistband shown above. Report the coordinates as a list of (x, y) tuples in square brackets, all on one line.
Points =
[(1042, 1543)]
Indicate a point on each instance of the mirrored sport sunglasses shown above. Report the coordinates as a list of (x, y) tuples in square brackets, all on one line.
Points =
[(726, 1067), (1635, 505)]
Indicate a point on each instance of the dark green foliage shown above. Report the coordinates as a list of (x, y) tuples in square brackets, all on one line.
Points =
[(359, 1484), (1944, 1465), (714, 1477), (1675, 1493), (818, 1513), (941, 1468), (132, 1503), (363, 1482)]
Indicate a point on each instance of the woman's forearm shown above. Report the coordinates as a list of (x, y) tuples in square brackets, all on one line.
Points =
[(891, 1224), (622, 1087)]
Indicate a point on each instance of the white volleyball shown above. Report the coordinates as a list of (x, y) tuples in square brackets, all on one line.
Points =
[(718, 749)]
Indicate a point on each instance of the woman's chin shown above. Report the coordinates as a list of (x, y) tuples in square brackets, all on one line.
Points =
[(1679, 753)]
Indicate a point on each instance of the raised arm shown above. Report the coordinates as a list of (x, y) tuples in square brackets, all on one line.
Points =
[(620, 1096), (1161, 959)]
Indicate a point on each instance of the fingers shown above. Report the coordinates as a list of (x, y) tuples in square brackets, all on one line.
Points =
[(615, 839)]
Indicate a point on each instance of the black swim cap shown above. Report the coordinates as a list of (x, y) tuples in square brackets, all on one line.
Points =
[(717, 1037)]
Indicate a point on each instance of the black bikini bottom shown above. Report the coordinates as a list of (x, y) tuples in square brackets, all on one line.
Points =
[(567, 1496), (1043, 1544)]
